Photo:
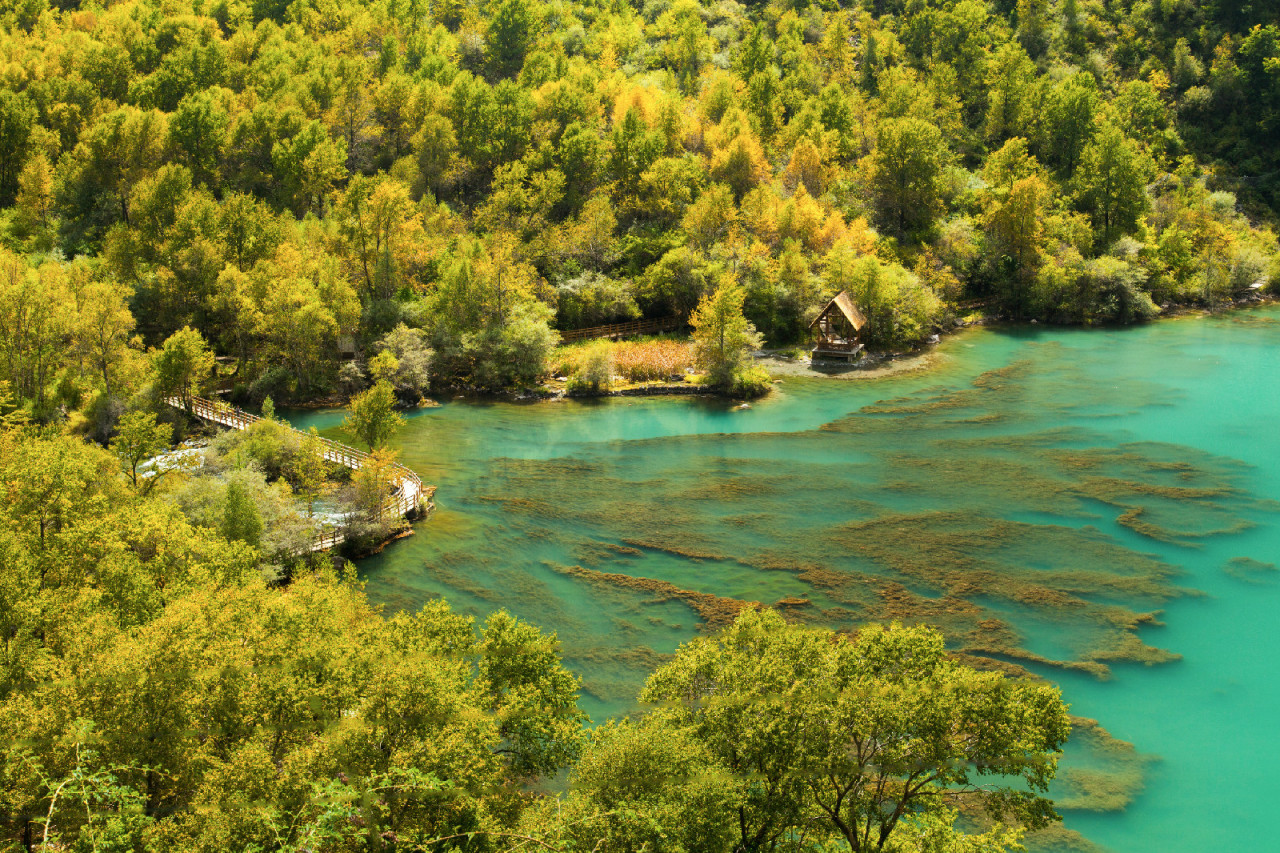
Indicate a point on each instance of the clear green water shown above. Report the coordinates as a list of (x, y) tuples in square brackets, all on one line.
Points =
[(1034, 494)]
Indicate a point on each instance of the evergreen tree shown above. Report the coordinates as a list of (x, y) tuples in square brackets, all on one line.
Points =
[(1111, 185), (510, 34)]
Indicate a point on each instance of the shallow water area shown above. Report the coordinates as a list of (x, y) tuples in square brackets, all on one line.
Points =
[(1095, 507)]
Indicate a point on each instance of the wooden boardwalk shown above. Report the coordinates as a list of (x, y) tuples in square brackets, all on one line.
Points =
[(409, 497), (622, 330)]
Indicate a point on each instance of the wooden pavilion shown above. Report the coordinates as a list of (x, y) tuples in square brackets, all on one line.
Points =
[(836, 329)]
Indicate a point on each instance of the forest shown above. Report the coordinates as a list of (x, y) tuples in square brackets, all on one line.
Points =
[(298, 180), (327, 198)]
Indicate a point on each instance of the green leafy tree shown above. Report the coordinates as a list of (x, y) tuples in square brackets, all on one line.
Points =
[(533, 699), (138, 438), (183, 366), (900, 309), (307, 166), (309, 471), (35, 212), (1073, 34), (1011, 78), (756, 53), (722, 337), (510, 35), (372, 487), (241, 520), (873, 737), (197, 135), (112, 157), (1111, 185), (1015, 224), (90, 803), (382, 230), (635, 148), (513, 352), (906, 175), (412, 374), (49, 484), (103, 329), (17, 116), (1033, 26), (372, 415), (647, 785), (37, 327), (367, 728), (1068, 122), (248, 229)]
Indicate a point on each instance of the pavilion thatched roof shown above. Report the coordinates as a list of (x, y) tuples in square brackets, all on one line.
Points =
[(844, 304)]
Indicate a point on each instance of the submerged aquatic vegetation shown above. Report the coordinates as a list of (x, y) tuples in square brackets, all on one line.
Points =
[(1015, 511), (715, 611), (1011, 541), (962, 524)]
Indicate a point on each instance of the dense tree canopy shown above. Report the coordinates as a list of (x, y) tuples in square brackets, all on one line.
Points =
[(157, 693), (771, 733), (285, 179)]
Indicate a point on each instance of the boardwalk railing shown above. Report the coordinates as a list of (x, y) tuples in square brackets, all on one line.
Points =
[(409, 497), (622, 330)]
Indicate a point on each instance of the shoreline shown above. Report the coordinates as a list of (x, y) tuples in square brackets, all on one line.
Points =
[(873, 365)]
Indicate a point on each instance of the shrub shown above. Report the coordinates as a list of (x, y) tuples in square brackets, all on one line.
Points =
[(595, 369), (269, 444), (276, 382), (750, 381), (502, 356)]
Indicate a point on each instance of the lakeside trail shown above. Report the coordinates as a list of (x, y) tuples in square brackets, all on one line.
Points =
[(409, 497), (781, 367)]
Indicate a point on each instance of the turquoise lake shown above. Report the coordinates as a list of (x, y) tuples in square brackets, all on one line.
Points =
[(1095, 507)]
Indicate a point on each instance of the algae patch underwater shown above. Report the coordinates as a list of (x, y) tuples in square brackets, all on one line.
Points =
[(1030, 511)]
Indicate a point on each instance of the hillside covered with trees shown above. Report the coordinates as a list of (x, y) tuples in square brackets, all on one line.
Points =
[(282, 176)]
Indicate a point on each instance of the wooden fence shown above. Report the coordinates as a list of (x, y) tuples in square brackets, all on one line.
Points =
[(623, 330), (409, 497)]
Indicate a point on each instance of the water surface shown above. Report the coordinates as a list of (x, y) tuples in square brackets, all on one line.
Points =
[(1094, 507)]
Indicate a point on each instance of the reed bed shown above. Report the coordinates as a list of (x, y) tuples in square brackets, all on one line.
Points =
[(649, 360)]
